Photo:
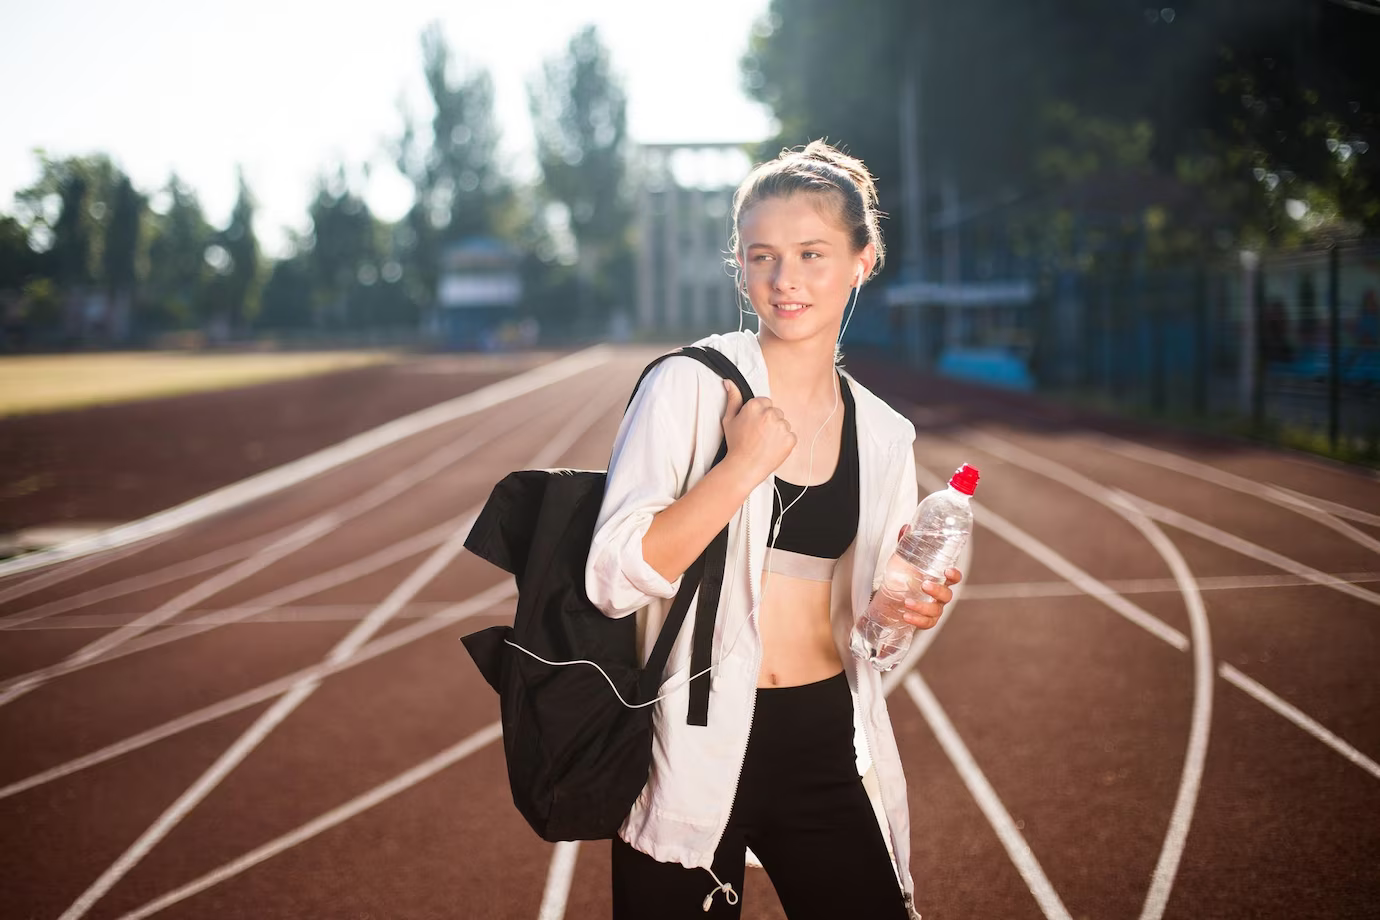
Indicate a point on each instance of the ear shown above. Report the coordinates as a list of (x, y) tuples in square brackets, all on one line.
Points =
[(867, 258)]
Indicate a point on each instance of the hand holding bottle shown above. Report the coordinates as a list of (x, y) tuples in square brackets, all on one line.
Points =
[(923, 602), (911, 595)]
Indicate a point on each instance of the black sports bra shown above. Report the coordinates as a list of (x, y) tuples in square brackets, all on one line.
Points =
[(821, 525)]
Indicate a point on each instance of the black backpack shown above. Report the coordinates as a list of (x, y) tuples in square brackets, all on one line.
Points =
[(577, 756)]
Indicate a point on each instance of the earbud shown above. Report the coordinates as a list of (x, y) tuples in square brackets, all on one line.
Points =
[(857, 282)]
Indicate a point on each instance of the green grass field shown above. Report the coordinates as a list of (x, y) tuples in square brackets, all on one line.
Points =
[(47, 383)]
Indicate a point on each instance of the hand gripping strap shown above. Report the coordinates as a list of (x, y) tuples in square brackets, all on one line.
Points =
[(705, 574)]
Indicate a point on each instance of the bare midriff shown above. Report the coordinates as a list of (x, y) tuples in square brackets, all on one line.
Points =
[(797, 640)]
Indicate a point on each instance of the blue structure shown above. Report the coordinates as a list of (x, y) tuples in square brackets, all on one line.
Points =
[(477, 291)]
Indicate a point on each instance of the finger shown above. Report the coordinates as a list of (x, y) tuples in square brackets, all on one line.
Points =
[(735, 399), (921, 620), (953, 576), (905, 528), (929, 608), (939, 592)]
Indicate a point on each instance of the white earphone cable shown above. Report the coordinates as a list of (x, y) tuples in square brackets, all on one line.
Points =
[(849, 316), (561, 664)]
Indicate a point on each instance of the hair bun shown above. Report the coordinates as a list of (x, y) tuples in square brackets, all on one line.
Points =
[(825, 152)]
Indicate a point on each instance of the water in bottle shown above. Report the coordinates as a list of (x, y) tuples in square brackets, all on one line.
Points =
[(938, 531)]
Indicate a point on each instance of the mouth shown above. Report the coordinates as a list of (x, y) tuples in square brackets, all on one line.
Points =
[(789, 309)]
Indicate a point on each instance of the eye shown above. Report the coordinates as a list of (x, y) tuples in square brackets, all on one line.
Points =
[(811, 254), (762, 257)]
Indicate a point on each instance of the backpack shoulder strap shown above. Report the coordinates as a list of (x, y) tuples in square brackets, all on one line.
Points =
[(711, 358), (705, 574)]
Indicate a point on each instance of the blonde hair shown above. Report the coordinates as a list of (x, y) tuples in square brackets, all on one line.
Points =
[(823, 170)]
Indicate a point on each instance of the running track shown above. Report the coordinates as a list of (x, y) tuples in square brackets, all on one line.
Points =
[(1154, 696)]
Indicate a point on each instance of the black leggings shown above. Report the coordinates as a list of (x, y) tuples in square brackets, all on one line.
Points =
[(802, 809)]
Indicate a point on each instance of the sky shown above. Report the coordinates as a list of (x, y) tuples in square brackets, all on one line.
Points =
[(287, 88)]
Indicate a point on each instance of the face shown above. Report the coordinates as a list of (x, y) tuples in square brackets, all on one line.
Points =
[(799, 267)]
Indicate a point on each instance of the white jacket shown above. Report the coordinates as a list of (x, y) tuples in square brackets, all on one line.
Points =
[(665, 444)]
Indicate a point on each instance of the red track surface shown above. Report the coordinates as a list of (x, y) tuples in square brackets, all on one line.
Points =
[(1070, 723)]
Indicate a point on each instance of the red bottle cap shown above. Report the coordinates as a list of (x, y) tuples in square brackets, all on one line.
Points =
[(965, 479)]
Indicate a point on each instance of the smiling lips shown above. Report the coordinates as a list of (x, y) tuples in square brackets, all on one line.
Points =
[(790, 309)]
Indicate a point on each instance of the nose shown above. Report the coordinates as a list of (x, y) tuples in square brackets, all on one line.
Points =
[(783, 278)]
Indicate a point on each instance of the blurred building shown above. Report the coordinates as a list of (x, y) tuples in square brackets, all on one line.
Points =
[(683, 220), (477, 291)]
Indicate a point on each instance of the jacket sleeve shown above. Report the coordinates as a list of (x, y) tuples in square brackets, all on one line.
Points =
[(650, 467), (899, 512)]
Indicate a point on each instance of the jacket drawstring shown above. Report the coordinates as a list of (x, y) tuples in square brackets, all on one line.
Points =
[(730, 895)]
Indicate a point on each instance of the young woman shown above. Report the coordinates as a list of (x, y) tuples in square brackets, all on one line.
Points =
[(817, 484)]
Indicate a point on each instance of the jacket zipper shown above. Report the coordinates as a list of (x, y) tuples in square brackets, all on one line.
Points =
[(908, 896), (757, 662)]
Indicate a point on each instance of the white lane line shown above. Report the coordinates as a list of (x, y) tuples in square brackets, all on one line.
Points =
[(565, 438), (1085, 582), (1015, 590), (987, 800), (284, 707), (377, 795), (63, 573), (1252, 550), (255, 615), (282, 477), (313, 585), (1195, 757), (1148, 622), (211, 560), (1293, 714), (100, 650), (558, 880), (1315, 508), (1345, 511), (222, 556), (481, 603), (16, 687), (265, 723)]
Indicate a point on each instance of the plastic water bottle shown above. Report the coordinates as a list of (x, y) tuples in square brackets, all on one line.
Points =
[(938, 531)]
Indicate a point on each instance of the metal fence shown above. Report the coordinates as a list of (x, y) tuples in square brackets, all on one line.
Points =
[(1282, 342)]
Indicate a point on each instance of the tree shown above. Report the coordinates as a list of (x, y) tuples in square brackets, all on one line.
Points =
[(84, 215), (234, 292), (287, 296), (1229, 95), (179, 275), (120, 257), (579, 115), (19, 264), (67, 211), (342, 245), (460, 188)]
